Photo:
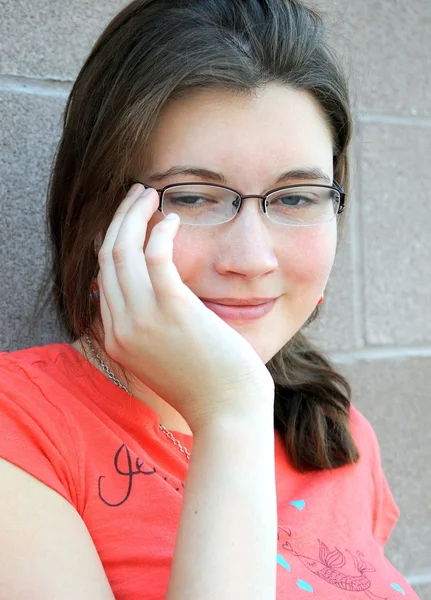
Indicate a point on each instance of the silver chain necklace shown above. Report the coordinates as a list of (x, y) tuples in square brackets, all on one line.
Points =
[(117, 382)]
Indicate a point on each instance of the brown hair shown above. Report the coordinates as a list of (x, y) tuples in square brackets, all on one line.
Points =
[(151, 52)]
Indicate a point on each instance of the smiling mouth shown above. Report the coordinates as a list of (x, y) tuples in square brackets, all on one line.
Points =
[(235, 309), (239, 301)]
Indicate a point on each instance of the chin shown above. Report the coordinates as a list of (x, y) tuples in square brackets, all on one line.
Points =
[(263, 343)]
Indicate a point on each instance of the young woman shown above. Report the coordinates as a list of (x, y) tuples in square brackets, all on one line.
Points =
[(189, 442)]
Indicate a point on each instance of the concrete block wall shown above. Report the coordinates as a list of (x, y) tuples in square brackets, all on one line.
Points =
[(375, 322)]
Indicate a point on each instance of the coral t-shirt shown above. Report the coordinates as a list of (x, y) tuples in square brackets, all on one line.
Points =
[(69, 426)]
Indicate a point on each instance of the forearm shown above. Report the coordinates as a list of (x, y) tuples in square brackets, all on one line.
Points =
[(226, 542)]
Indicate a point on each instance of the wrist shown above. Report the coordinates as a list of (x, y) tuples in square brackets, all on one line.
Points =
[(254, 415)]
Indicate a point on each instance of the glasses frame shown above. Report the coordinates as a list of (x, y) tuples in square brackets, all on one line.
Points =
[(335, 186)]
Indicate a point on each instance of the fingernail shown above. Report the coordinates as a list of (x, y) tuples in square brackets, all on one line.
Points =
[(171, 216), (147, 191)]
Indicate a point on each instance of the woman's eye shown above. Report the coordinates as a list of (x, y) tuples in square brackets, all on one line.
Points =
[(191, 200), (295, 200), (186, 199)]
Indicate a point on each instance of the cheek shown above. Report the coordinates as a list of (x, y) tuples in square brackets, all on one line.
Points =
[(308, 256), (192, 253), (192, 249), (305, 257)]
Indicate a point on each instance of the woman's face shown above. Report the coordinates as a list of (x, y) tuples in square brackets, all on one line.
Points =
[(250, 141)]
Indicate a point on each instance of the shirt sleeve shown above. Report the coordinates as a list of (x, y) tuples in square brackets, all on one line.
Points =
[(34, 434), (386, 511)]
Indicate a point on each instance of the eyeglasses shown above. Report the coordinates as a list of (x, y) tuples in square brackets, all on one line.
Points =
[(302, 205)]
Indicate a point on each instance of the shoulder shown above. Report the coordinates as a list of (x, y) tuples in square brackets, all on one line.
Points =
[(385, 508), (19, 362), (26, 376), (34, 432), (37, 380), (363, 433), (43, 392)]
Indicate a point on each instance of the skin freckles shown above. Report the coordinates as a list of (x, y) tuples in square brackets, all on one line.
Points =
[(251, 140)]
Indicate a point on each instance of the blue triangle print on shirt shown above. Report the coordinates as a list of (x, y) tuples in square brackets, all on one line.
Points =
[(299, 504), (282, 562), (304, 585)]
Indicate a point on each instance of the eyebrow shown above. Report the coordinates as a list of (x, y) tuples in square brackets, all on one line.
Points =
[(309, 173)]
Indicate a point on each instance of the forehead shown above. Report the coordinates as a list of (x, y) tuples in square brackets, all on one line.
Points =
[(255, 136)]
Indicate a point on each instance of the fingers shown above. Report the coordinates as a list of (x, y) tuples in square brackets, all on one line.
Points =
[(127, 251), (165, 279), (112, 255), (132, 280), (104, 311)]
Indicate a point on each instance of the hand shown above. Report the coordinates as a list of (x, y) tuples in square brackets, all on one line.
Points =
[(162, 333)]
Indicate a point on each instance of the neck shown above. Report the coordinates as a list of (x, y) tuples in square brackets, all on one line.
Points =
[(169, 417)]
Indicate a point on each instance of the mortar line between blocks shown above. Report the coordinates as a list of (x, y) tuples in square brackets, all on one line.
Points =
[(420, 578), (34, 86), (380, 353), (410, 121)]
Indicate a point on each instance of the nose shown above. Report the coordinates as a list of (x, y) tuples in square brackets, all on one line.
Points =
[(246, 244)]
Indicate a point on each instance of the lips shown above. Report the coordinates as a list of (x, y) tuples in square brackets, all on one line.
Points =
[(240, 309), (239, 301)]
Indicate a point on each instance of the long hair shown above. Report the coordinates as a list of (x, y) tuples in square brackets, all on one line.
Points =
[(154, 51)]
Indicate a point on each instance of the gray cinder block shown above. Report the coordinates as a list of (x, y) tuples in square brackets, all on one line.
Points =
[(30, 129), (396, 214)]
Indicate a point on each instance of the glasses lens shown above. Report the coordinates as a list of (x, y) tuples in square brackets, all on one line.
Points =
[(200, 204), (303, 205)]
